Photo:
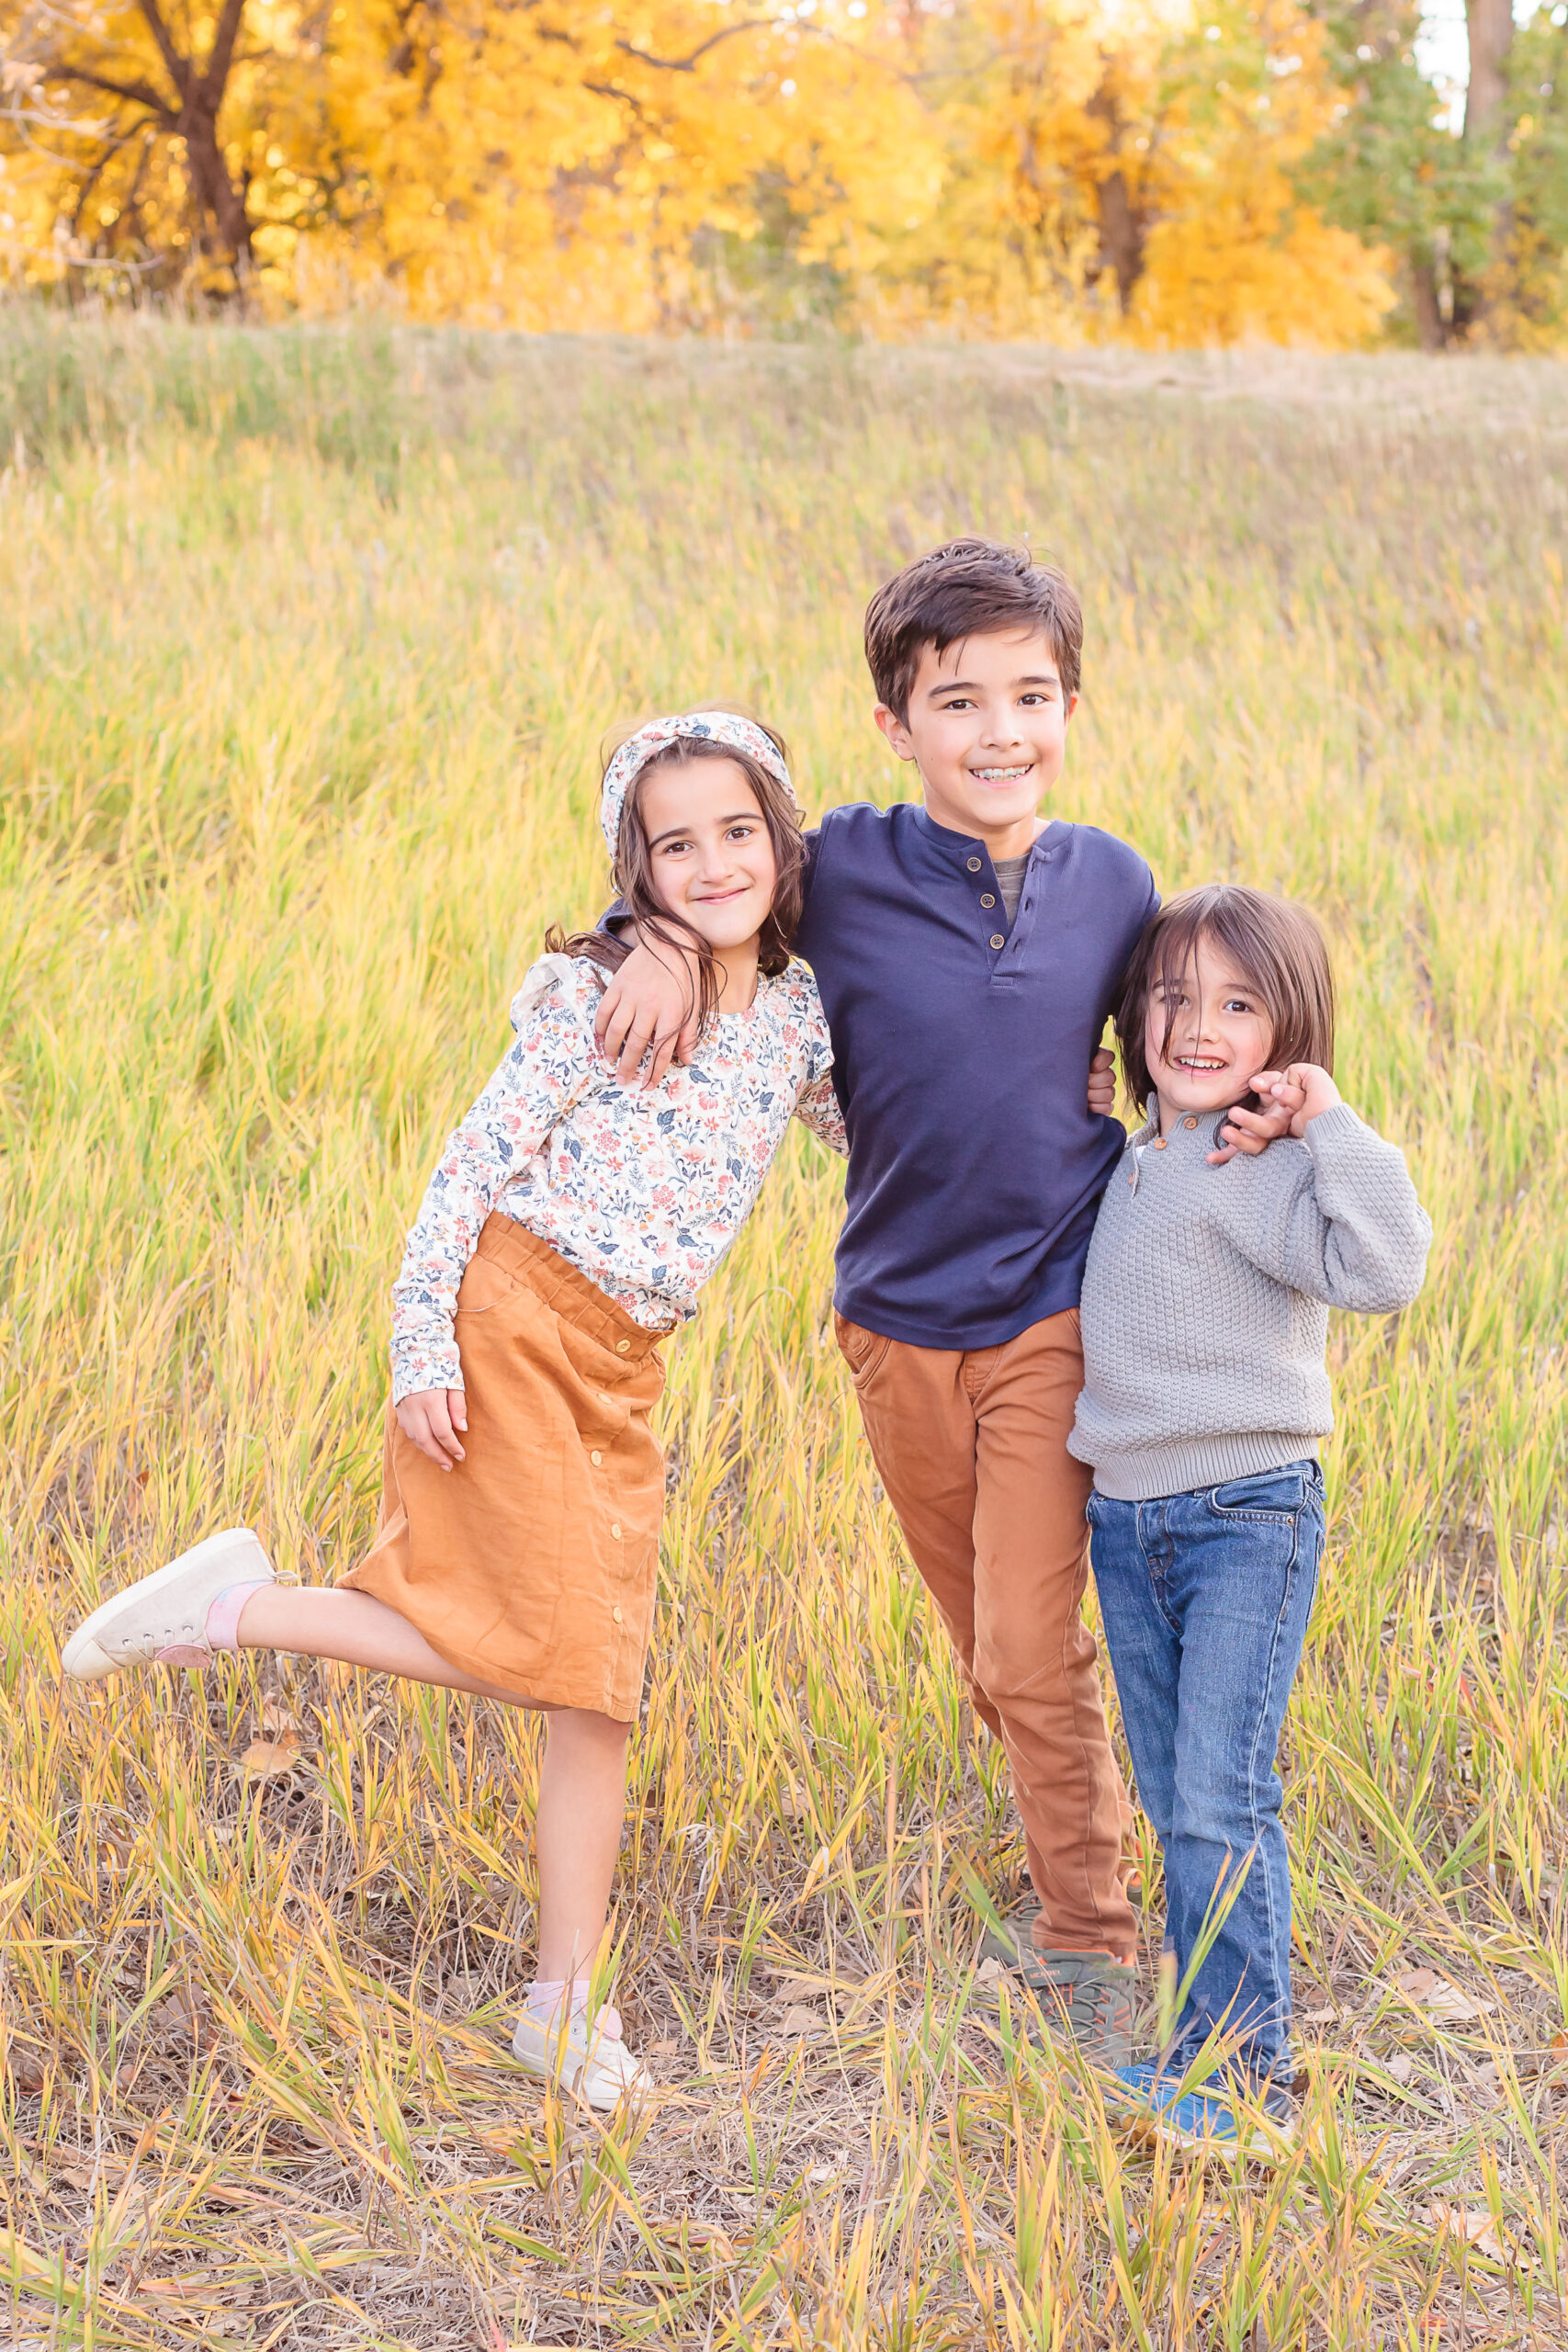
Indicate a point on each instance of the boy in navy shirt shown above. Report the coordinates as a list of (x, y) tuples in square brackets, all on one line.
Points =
[(968, 953)]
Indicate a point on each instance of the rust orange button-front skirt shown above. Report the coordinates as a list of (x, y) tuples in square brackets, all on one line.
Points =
[(531, 1564)]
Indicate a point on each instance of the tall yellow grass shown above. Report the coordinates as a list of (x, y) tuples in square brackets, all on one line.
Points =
[(308, 644)]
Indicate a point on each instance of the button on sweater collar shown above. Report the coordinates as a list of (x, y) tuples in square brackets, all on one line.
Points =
[(1198, 1131)]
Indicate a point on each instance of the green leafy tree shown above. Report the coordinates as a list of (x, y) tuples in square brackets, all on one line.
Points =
[(1536, 299), (1392, 172)]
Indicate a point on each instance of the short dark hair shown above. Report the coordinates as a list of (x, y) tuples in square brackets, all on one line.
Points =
[(969, 588), (1277, 947)]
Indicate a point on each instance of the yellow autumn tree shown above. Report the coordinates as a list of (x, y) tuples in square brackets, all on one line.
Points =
[(1232, 251), (1127, 174), (550, 165), (1053, 167)]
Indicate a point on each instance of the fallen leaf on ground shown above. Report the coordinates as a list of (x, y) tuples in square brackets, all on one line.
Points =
[(796, 2020), (1440, 1997), (26, 2068), (270, 1759), (1400, 2067), (791, 1987), (699, 2232), (1476, 2228), (183, 2012)]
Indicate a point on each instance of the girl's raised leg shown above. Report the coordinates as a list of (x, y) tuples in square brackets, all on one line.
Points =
[(322, 1621), (222, 1596)]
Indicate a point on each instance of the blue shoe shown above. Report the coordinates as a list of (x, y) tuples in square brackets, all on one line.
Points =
[(1203, 2123), (1139, 2084)]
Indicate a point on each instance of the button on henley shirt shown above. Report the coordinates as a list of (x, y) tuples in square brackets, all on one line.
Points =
[(961, 1054)]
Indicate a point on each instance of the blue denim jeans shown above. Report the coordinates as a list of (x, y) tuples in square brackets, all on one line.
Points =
[(1205, 1598)]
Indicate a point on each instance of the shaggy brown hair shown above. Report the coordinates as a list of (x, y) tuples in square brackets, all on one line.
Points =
[(647, 918), (1276, 946), (969, 588)]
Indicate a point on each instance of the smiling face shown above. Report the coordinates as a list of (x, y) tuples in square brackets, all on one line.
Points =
[(988, 727), (1221, 1038), (710, 856)]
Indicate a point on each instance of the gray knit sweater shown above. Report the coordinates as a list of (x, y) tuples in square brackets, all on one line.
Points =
[(1207, 1291)]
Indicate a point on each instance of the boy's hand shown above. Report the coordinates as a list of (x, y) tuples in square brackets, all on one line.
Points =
[(1103, 1085), (1251, 1132), (649, 1007), (431, 1419), (1302, 1091)]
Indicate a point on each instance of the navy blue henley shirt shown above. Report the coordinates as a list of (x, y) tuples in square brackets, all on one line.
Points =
[(961, 1055)]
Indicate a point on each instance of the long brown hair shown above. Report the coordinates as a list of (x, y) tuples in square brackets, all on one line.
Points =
[(634, 868), (1277, 947)]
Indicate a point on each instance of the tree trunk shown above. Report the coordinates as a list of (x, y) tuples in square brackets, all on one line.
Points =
[(1491, 27), (1121, 237), (201, 95), (1430, 323), (1486, 130), (217, 199), (1123, 225)]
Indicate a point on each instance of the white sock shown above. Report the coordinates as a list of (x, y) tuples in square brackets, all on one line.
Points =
[(545, 1999), (546, 1996)]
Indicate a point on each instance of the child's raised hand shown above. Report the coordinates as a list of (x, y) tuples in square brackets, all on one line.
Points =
[(1250, 1132), (1103, 1085), (431, 1419), (648, 1008), (1302, 1091)]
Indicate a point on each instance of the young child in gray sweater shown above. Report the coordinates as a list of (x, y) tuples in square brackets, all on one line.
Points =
[(1205, 1326)]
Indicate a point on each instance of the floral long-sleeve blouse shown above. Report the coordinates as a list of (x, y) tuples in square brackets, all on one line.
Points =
[(643, 1191)]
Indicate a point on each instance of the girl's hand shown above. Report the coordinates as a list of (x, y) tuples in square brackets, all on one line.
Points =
[(431, 1419), (1302, 1091), (1103, 1085), (648, 1008)]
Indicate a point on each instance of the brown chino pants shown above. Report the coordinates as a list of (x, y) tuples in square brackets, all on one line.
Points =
[(971, 1449)]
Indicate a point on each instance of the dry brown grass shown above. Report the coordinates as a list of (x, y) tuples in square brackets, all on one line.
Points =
[(307, 644)]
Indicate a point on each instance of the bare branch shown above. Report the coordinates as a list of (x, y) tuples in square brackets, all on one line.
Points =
[(767, 24), (622, 97), (177, 67), (689, 64), (219, 64), (140, 94)]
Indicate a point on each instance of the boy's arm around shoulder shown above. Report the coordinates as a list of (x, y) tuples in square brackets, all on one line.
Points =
[(816, 1104), (1337, 1217)]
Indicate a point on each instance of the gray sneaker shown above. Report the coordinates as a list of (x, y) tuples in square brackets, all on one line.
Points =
[(1086, 1992)]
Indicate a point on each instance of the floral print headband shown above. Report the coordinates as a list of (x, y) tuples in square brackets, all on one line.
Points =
[(707, 727)]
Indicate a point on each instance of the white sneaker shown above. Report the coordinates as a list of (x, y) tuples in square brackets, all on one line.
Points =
[(587, 2060), (163, 1616)]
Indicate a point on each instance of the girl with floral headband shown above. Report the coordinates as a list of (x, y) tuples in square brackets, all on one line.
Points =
[(567, 1229)]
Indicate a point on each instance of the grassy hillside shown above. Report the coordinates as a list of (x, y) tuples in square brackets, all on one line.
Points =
[(306, 646)]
